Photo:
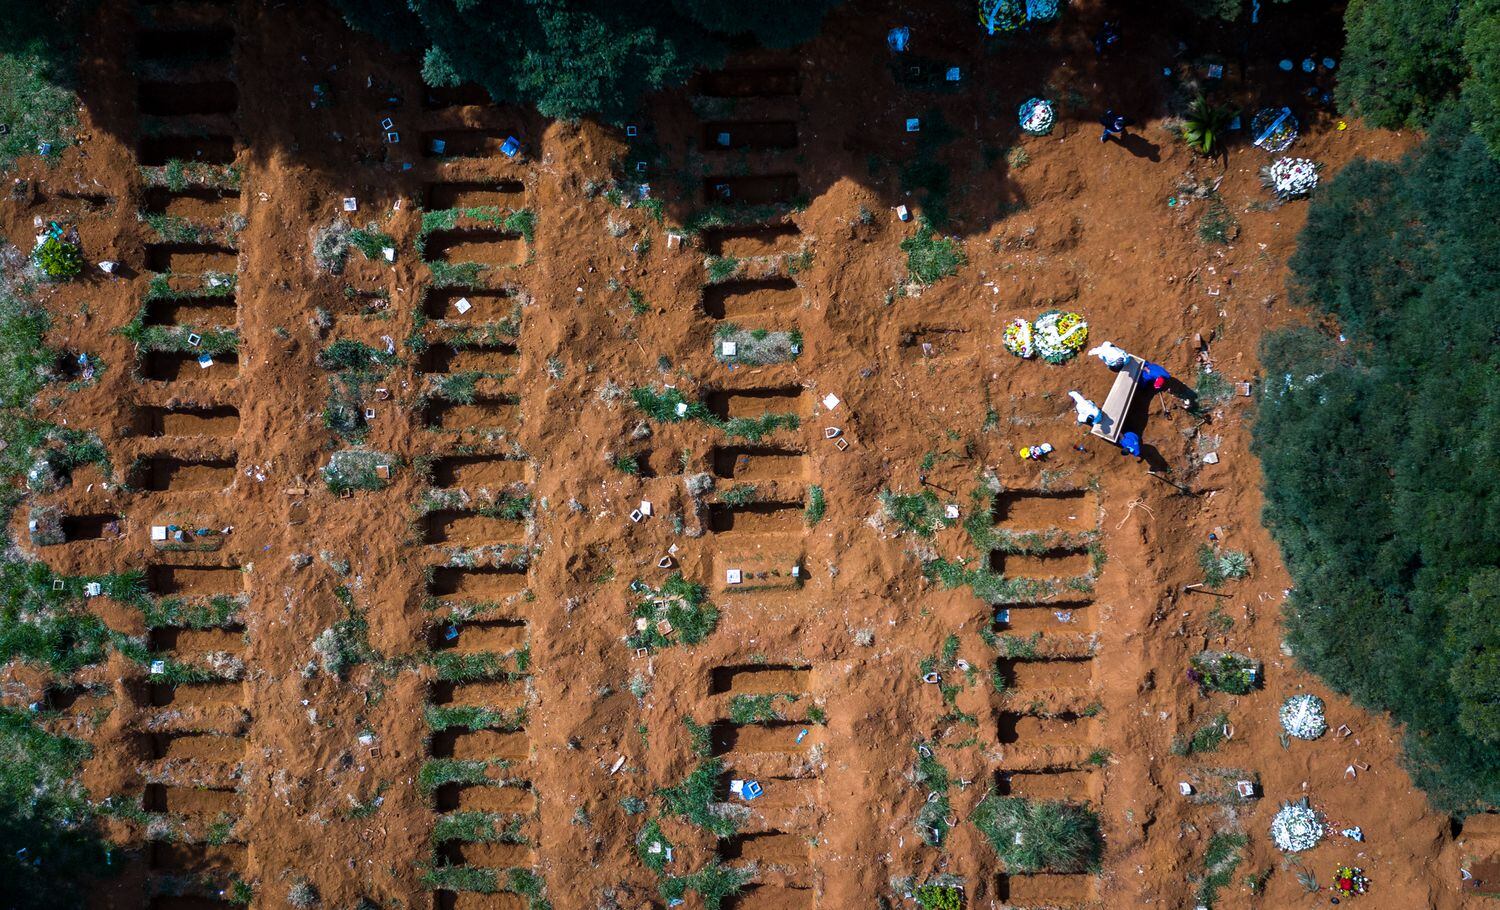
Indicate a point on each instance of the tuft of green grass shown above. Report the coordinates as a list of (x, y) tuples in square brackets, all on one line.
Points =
[(692, 799), (1220, 860), (1207, 738), (36, 100), (817, 504), (1220, 566), (918, 513), (929, 256)]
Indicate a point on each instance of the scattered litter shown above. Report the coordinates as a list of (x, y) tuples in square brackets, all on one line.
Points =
[(729, 348), (389, 252), (732, 576), (913, 124), (1216, 71), (510, 147), (642, 623), (1185, 788), (831, 432), (1063, 615), (205, 361), (932, 678), (898, 38), (93, 589), (951, 511), (1286, 65), (801, 736), (158, 532), (954, 74), (830, 401), (632, 131), (158, 667), (351, 204), (1211, 458), (463, 305), (682, 409), (619, 763), (903, 213), (1353, 833), (635, 515), (194, 339), (645, 508)]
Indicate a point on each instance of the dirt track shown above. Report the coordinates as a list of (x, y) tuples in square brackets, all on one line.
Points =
[(1080, 225)]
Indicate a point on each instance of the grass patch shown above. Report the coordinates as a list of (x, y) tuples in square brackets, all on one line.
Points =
[(817, 504), (671, 406), (930, 257), (479, 828), (36, 99), (1207, 738), (692, 800), (1220, 566), (681, 603), (1033, 836), (1225, 852), (357, 469)]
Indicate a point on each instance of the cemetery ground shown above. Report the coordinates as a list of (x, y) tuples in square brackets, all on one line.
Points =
[(487, 573)]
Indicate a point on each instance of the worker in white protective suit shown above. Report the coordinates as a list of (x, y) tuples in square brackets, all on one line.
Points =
[(1113, 356), (1087, 411)]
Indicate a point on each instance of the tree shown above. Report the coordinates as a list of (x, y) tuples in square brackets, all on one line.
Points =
[(1401, 59), (1480, 23), (1380, 452), (575, 58)]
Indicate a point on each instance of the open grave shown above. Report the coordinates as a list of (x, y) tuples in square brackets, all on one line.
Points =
[(480, 305), (747, 300), (189, 420), (172, 366), (470, 529), (749, 464), (182, 99), (748, 134), (504, 194), (1051, 564), (1072, 510), (194, 581), (729, 404), (481, 584), (463, 143), (155, 151), (184, 475), (1046, 891), (479, 414), (756, 189), (472, 471), (1036, 730), (205, 312), (753, 240), (486, 247), (190, 258), (750, 83)]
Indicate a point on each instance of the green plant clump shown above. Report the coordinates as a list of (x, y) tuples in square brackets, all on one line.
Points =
[(1205, 124), (939, 897), (1033, 836), (930, 257), (58, 259)]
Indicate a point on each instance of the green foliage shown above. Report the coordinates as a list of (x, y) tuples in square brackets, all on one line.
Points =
[(721, 268), (1473, 640), (663, 405), (473, 717), (714, 883), (680, 602), (738, 495), (438, 772), (1220, 566), (1218, 225), (1204, 126), (1033, 836), (478, 828), (1480, 24), (692, 799), (626, 464), (1229, 673), (58, 259), (758, 709), (917, 513), (939, 897), (930, 257), (649, 837), (580, 58), (355, 469), (1379, 454), (49, 848), (1225, 852), (1207, 738), (38, 50), (817, 504), (1401, 60)]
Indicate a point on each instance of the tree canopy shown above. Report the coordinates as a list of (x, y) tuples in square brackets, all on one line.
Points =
[(1382, 453), (1403, 60), (575, 58)]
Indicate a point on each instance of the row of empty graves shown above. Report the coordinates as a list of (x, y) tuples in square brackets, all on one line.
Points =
[(1045, 721), (773, 768), (478, 770), (749, 138), (188, 138)]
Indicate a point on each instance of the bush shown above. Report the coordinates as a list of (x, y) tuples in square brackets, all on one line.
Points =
[(1401, 59), (1379, 459), (59, 259), (1034, 836), (939, 897)]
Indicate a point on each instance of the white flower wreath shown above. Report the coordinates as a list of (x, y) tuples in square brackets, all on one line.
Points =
[(1296, 828), (1302, 717)]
